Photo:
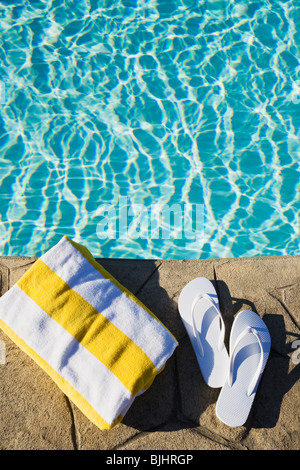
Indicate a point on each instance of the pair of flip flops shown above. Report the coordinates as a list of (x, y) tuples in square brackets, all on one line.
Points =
[(237, 373)]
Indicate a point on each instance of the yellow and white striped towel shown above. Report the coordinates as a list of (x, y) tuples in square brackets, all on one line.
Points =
[(96, 340)]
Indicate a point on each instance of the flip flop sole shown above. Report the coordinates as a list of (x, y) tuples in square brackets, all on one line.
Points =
[(234, 402), (214, 363)]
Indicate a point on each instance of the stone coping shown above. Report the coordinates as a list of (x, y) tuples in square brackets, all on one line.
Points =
[(178, 411)]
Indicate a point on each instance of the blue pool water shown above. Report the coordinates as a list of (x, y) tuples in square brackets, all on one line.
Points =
[(150, 129)]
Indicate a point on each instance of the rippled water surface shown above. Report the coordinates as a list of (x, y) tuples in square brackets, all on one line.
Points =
[(112, 112)]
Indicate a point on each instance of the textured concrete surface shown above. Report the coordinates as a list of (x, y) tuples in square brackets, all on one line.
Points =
[(178, 411)]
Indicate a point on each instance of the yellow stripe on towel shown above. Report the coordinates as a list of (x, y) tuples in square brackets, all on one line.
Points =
[(104, 340)]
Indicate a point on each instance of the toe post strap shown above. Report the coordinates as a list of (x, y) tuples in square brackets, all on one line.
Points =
[(195, 329)]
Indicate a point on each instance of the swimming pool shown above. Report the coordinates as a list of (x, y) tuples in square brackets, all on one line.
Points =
[(150, 129)]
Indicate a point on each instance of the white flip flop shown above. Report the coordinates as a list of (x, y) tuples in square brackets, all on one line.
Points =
[(249, 349), (198, 306)]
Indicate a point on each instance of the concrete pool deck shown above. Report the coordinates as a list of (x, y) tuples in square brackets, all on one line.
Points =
[(178, 411)]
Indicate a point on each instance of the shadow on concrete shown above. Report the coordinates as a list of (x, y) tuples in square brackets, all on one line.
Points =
[(278, 378)]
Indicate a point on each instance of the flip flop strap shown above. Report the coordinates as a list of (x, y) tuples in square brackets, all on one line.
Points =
[(259, 368), (196, 333)]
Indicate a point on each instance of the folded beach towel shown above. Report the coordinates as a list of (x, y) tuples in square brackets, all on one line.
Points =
[(96, 340)]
